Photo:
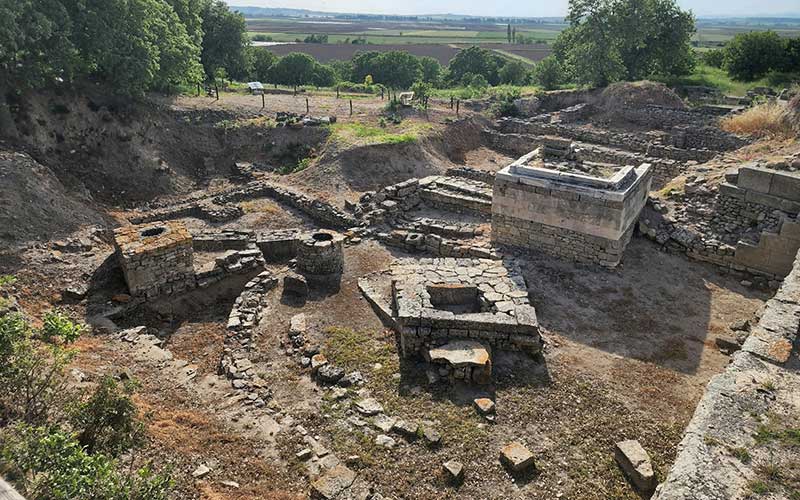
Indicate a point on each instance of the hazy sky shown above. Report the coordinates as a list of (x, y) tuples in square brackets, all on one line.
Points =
[(530, 8)]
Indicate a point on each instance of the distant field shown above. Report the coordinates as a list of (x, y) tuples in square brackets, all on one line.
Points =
[(442, 39), (338, 51)]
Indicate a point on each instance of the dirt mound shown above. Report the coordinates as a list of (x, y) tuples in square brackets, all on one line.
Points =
[(347, 172), (34, 205), (623, 95)]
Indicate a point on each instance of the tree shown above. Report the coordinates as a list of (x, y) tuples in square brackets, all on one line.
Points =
[(294, 69), (610, 40), (224, 40), (324, 76), (134, 45), (513, 73), (548, 73), (749, 56), (263, 60), (431, 70), (35, 48), (508, 34), (477, 61)]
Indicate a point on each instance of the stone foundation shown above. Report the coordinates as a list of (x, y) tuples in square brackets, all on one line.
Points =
[(156, 259), (567, 214), (441, 300)]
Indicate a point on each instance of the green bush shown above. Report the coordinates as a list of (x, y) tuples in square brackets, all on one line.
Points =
[(31, 373), (50, 463), (548, 73), (749, 56), (106, 421), (58, 326), (714, 58), (505, 105)]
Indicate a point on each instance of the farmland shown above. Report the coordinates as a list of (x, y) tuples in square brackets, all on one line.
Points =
[(442, 38)]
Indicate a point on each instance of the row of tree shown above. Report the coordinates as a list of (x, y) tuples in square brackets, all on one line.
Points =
[(750, 56)]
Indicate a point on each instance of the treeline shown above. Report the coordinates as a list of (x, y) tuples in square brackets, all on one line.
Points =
[(396, 69), (750, 56), (132, 45)]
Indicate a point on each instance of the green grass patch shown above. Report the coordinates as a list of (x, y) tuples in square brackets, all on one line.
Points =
[(369, 134), (710, 76)]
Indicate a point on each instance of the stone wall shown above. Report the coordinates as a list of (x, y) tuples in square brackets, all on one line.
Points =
[(497, 290), (416, 242), (317, 210), (565, 219), (560, 242), (760, 384), (240, 338), (156, 259), (654, 144), (659, 117)]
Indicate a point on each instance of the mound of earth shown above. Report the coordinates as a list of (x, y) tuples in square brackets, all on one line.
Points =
[(34, 205), (623, 95)]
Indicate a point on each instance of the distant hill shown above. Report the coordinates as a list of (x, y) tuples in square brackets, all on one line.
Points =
[(262, 12)]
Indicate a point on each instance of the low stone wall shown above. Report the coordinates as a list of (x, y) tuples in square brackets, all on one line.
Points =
[(473, 174), (415, 242), (772, 188), (760, 384), (560, 242), (199, 209), (317, 210), (499, 291), (280, 244), (240, 338), (652, 144), (658, 117), (217, 241)]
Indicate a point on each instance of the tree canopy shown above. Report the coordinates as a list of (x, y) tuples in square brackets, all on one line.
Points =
[(610, 40)]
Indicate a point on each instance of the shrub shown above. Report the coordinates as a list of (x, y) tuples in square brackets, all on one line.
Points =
[(505, 105), (749, 56), (106, 421), (714, 57), (31, 373), (58, 326), (770, 119), (50, 463), (548, 73)]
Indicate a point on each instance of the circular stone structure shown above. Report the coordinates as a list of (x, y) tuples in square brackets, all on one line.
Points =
[(319, 255)]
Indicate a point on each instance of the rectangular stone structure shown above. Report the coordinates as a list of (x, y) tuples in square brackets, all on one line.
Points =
[(568, 214), (156, 258)]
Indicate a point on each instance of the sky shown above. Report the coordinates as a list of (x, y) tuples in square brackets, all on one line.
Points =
[(518, 8)]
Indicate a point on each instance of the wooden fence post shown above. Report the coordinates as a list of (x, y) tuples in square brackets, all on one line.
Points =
[(458, 102), (263, 102), (351, 107), (306, 105)]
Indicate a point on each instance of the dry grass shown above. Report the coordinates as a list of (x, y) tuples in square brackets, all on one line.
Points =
[(770, 119)]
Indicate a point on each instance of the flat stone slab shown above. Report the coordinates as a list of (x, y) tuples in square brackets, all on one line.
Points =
[(516, 457), (368, 407), (460, 353), (332, 483), (453, 472), (485, 406), (635, 463)]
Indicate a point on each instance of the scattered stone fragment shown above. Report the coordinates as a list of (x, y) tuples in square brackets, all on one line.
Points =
[(431, 435), (383, 422), (485, 406), (201, 471), (329, 374), (728, 345), (516, 457), (318, 361), (406, 429), (332, 483), (295, 284), (385, 441), (298, 325), (453, 472), (368, 407), (230, 484), (352, 378), (635, 463), (304, 454)]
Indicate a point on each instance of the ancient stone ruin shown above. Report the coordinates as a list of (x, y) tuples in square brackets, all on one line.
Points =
[(580, 210)]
